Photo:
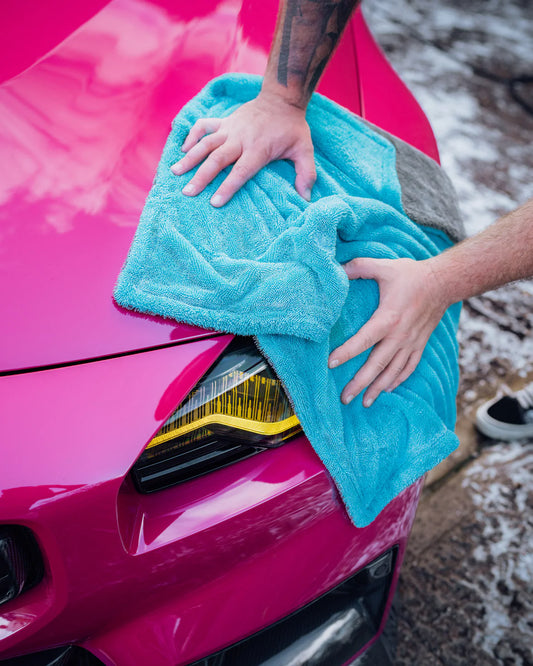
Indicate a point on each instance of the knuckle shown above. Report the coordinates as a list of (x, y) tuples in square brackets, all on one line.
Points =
[(398, 369), (219, 158), (415, 361), (310, 166), (381, 365), (415, 358), (354, 263), (392, 319), (408, 370), (194, 155), (364, 376), (210, 141), (261, 153), (352, 348), (367, 341), (198, 127), (240, 171), (216, 160)]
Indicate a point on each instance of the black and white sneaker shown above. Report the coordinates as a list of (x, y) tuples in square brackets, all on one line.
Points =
[(508, 416)]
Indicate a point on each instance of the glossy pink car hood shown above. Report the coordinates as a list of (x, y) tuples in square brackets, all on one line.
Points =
[(86, 106)]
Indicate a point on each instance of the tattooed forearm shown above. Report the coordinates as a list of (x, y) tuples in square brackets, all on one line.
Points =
[(309, 33)]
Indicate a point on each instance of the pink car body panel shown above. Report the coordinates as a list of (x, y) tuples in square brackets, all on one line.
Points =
[(168, 577), (165, 578), (81, 135)]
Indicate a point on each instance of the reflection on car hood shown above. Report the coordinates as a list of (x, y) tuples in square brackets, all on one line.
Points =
[(82, 130)]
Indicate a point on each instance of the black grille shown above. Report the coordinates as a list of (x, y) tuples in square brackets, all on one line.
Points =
[(329, 631), (21, 564)]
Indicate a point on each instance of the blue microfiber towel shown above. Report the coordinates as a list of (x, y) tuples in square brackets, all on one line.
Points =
[(268, 264)]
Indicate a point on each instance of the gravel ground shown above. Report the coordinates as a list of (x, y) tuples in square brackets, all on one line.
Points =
[(466, 586)]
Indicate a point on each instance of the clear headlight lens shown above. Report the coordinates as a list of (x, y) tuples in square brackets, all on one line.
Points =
[(237, 409)]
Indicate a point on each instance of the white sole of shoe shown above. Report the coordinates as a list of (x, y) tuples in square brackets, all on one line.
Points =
[(496, 430)]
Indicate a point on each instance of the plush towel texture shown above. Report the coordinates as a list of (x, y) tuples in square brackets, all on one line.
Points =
[(268, 264)]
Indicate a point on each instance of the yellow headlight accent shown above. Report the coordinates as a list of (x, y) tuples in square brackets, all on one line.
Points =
[(253, 403), (231, 421)]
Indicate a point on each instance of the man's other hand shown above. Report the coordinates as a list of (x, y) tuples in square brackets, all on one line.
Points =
[(265, 129), (411, 304)]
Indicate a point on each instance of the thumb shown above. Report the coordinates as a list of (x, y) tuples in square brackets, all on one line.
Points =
[(304, 163), (365, 268)]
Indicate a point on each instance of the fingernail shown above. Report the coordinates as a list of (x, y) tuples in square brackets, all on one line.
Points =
[(348, 398), (177, 169), (217, 200), (307, 194), (189, 189), (368, 401), (333, 363)]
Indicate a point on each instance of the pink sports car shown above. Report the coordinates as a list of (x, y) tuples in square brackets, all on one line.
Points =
[(159, 503)]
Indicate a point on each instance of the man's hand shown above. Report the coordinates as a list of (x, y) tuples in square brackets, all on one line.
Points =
[(265, 129), (411, 304)]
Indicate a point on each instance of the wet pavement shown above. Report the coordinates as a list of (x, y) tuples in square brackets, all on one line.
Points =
[(466, 588)]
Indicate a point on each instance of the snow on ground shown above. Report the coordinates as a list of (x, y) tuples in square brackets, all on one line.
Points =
[(467, 583), (500, 486), (496, 342), (447, 53)]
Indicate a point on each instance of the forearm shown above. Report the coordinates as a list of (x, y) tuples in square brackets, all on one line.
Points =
[(500, 254), (307, 33)]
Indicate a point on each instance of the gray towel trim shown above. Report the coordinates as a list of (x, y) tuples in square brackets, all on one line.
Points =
[(428, 196)]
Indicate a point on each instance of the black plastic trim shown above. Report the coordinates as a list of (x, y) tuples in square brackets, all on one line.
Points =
[(329, 630), (173, 470), (21, 562)]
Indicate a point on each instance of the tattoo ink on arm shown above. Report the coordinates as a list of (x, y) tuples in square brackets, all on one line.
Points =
[(309, 34)]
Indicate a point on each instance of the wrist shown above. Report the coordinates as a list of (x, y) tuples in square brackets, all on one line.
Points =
[(439, 281), (275, 93)]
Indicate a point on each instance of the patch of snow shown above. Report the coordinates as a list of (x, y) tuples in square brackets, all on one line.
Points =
[(470, 395), (483, 342), (440, 47), (500, 485)]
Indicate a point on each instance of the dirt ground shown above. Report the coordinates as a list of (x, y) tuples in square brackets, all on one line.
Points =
[(467, 583)]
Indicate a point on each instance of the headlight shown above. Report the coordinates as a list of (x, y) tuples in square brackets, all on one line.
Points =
[(238, 408)]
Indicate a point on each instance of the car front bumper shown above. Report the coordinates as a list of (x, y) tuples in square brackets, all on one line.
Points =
[(171, 577)]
